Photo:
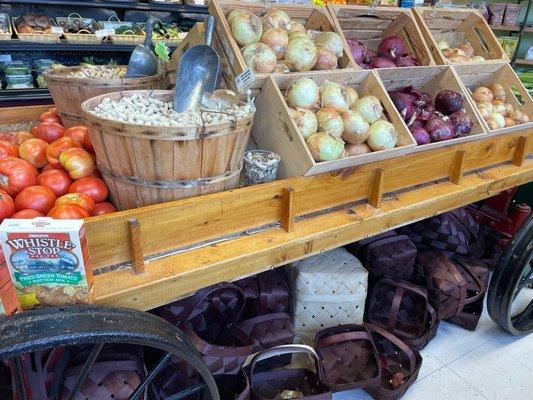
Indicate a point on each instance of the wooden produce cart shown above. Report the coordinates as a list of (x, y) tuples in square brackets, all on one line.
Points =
[(146, 257)]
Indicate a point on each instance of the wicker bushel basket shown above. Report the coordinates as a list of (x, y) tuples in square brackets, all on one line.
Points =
[(144, 165), (69, 92)]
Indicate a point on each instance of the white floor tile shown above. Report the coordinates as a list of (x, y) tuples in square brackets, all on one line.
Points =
[(453, 342), (430, 364), (491, 371), (442, 385)]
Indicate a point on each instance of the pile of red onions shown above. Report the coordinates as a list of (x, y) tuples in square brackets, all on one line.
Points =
[(391, 53), (430, 121)]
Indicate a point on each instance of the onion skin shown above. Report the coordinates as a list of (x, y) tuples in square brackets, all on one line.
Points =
[(351, 149), (462, 123), (301, 54), (305, 120), (370, 108), (260, 57), (440, 129), (331, 41), (330, 121), (326, 59), (467, 49), (332, 95), (391, 47), (382, 136), (304, 93), (277, 39), (351, 95), (406, 61), (281, 68), (382, 62), (356, 128), (325, 147), (448, 102), (499, 92), (482, 94), (297, 27), (246, 28), (276, 18), (509, 122), (403, 104), (357, 49), (420, 135)]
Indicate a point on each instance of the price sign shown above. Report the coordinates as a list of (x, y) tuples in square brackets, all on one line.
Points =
[(105, 32), (245, 80), (56, 29)]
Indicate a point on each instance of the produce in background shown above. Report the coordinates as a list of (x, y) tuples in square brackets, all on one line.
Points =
[(492, 105), (52, 173), (31, 22), (275, 43), (335, 122), (391, 53), (429, 121), (100, 72), (462, 53)]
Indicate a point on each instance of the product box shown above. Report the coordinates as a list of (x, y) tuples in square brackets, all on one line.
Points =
[(9, 303), (48, 261)]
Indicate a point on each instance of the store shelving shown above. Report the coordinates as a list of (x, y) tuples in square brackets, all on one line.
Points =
[(509, 28), (18, 45), (521, 61)]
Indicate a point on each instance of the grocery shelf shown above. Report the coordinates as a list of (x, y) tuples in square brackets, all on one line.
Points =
[(10, 95), (129, 5), (528, 29), (521, 61), (510, 28), (19, 45)]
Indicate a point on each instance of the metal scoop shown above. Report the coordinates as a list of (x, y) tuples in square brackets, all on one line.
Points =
[(198, 72), (143, 61)]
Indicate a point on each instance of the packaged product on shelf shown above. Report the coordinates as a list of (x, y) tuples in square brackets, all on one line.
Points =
[(9, 303), (48, 261), (5, 27), (42, 65)]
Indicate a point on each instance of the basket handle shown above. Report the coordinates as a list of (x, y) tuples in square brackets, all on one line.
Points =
[(128, 30), (82, 30), (115, 18), (76, 15), (279, 351)]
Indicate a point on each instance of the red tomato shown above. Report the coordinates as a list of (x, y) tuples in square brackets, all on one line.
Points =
[(8, 149), (7, 206), (93, 187), (79, 199), (34, 152), (16, 174), (57, 147), (88, 144), (103, 208), (38, 198), (49, 116), (77, 133), (77, 162), (68, 211), (97, 174), (21, 137), (27, 214), (55, 179), (49, 167), (48, 131)]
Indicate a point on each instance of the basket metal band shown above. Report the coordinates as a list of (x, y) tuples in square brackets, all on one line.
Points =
[(184, 184)]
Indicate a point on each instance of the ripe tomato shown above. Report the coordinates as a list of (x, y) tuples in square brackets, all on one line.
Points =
[(77, 162), (49, 167), (8, 149), (48, 131), (55, 179), (7, 206), (57, 147), (37, 198), (80, 199), (21, 137), (93, 187), (16, 174), (77, 133), (49, 116), (88, 144), (27, 214), (103, 208), (68, 211), (34, 152)]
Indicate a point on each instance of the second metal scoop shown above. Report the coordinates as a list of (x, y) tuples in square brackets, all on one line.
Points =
[(198, 72), (143, 61)]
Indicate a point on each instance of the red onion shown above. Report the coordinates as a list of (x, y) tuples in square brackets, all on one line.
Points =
[(382, 62), (369, 56), (403, 104), (406, 62), (421, 135), (461, 122), (416, 124), (357, 49), (440, 129), (425, 113), (448, 102), (391, 47)]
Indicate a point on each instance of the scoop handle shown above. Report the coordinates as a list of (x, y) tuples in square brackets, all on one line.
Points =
[(149, 29), (210, 27)]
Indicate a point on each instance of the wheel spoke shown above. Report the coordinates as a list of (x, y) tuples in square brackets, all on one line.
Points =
[(85, 370), (16, 363), (150, 376), (187, 392)]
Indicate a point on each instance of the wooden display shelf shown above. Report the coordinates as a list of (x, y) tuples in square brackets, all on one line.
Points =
[(510, 28), (521, 61)]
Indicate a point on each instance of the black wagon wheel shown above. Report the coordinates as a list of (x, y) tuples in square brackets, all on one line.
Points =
[(91, 329), (510, 295)]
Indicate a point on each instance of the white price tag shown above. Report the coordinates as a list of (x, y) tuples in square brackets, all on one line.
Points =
[(5, 59), (245, 80), (105, 32), (56, 29)]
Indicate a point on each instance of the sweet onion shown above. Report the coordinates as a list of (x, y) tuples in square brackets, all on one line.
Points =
[(260, 57), (326, 59), (351, 95), (332, 95), (277, 39), (355, 127), (382, 136), (352, 149), (391, 47), (297, 27), (330, 121), (276, 18), (331, 41), (304, 93), (246, 28), (448, 102), (301, 54), (370, 108), (325, 147), (305, 120)]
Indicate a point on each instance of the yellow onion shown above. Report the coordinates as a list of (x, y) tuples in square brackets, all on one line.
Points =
[(370, 108), (498, 118), (509, 107), (493, 124), (467, 49), (519, 117), (331, 41), (487, 104), (246, 28), (275, 18), (458, 59), (498, 91), (260, 57), (482, 94), (325, 147), (509, 122), (351, 95), (281, 68), (485, 112), (326, 59), (477, 59), (332, 95), (303, 93), (235, 13), (355, 127), (305, 120), (297, 27), (277, 39), (297, 34), (499, 107), (382, 136), (329, 120), (301, 54), (351, 149)]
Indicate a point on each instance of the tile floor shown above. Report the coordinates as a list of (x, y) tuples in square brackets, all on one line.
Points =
[(462, 365)]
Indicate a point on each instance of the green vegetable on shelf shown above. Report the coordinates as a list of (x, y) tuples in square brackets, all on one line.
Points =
[(162, 51)]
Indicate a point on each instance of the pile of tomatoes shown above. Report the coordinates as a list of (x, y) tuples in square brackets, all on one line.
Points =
[(50, 171)]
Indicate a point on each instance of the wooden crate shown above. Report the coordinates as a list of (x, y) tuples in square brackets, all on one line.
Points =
[(432, 80), (455, 26), (371, 25), (274, 130), (316, 18), (485, 75)]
